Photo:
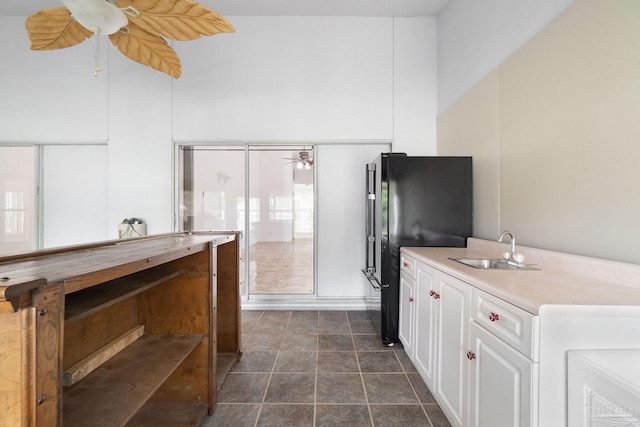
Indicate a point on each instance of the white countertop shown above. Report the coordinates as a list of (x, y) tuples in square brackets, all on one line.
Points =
[(563, 279)]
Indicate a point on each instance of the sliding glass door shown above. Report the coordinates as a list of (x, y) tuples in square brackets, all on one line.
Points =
[(265, 191), (281, 252)]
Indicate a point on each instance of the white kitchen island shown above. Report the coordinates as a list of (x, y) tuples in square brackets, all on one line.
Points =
[(493, 344)]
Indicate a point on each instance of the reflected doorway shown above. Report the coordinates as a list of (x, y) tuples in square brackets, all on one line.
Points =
[(265, 191), (17, 200), (281, 249)]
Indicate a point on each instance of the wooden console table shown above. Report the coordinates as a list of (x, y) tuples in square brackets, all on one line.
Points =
[(127, 332)]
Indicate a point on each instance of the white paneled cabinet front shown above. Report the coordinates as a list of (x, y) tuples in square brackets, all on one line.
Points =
[(434, 329), (452, 344), (502, 383), (406, 323), (476, 375), (426, 305), (490, 362)]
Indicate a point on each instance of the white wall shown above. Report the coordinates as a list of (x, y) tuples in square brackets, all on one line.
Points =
[(415, 101), (553, 130), (74, 194), (288, 78), (341, 218), (300, 79), (50, 95), (310, 78), (140, 144), (475, 36)]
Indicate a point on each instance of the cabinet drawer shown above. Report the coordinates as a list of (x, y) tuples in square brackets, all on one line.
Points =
[(407, 265), (514, 326)]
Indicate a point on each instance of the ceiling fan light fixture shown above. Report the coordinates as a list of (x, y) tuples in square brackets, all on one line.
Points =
[(98, 16), (302, 161), (139, 30)]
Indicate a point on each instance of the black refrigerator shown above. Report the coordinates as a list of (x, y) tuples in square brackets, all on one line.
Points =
[(411, 201)]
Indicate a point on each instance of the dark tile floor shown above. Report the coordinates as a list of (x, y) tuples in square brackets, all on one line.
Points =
[(321, 368)]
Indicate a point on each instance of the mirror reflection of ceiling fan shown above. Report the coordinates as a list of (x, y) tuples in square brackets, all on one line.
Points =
[(138, 28), (303, 161)]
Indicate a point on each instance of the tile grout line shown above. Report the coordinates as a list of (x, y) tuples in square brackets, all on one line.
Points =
[(364, 387), (264, 395), (257, 328), (406, 375), (315, 390)]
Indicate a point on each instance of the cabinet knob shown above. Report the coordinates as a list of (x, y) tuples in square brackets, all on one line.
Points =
[(436, 295), (43, 312), (405, 265), (431, 293), (494, 316), (42, 399), (471, 355), (410, 299)]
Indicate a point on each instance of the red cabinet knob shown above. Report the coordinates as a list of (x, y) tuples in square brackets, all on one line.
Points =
[(436, 295), (494, 316), (410, 299), (431, 293), (404, 264), (471, 355)]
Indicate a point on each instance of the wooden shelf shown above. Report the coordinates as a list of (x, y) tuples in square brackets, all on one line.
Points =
[(93, 361), (86, 302), (112, 394), (224, 363), (119, 333)]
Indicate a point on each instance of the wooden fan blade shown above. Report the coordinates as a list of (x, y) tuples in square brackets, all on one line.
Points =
[(54, 28), (148, 49), (177, 20)]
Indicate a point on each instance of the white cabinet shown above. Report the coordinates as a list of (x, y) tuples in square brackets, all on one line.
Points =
[(406, 323), (503, 380), (452, 344), (475, 352), (434, 324), (502, 383), (426, 320), (514, 326), (517, 371)]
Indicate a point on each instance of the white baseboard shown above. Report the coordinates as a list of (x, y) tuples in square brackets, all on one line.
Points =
[(304, 304)]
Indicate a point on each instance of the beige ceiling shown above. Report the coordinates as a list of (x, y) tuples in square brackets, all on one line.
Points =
[(276, 7)]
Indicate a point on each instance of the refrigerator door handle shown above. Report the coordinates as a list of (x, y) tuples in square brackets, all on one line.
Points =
[(373, 281), (370, 218)]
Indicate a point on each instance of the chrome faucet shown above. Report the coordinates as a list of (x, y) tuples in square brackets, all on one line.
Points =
[(513, 243)]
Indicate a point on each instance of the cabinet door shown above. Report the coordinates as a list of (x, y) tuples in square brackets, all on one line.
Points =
[(425, 333), (406, 321), (502, 383), (452, 336)]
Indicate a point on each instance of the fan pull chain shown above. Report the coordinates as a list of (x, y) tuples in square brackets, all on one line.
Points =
[(97, 68)]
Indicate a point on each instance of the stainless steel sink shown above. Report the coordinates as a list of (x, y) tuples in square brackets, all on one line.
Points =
[(493, 264)]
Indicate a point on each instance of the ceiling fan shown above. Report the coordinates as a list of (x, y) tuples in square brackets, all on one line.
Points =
[(303, 161), (138, 28)]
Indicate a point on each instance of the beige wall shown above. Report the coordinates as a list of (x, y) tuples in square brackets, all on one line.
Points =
[(555, 134)]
